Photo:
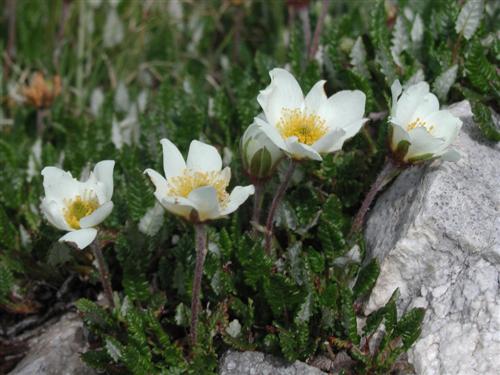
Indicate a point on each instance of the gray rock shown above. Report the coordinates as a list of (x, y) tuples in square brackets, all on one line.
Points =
[(436, 233), (57, 350), (256, 363)]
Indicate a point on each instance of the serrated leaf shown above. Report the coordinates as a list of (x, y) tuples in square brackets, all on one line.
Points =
[(113, 348), (483, 118), (348, 315), (469, 18), (400, 40), (366, 280), (417, 29), (358, 57), (409, 327), (444, 81), (152, 220)]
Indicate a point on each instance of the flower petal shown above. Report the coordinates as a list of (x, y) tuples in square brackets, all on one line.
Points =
[(283, 92), (427, 106), (237, 197), (408, 103), (445, 125), (330, 142), (272, 133), (97, 216), (352, 129), (203, 157), (59, 184), (104, 173), (206, 202), (316, 97), (422, 143), (159, 182), (343, 108), (396, 90), (173, 162), (53, 212), (398, 134), (179, 206), (299, 151), (81, 238)]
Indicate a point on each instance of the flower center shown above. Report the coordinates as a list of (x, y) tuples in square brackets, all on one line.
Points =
[(78, 207), (418, 123), (308, 128), (181, 186)]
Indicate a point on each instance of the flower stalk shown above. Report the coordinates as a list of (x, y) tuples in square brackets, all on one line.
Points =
[(276, 202), (257, 201), (390, 170), (103, 272), (201, 253)]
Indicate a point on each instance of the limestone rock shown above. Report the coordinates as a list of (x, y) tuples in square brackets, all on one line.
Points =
[(57, 350), (256, 363), (436, 233)]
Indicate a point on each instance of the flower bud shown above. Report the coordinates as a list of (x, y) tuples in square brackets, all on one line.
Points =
[(260, 155)]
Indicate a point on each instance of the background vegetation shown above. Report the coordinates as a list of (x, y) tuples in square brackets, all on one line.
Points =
[(134, 72)]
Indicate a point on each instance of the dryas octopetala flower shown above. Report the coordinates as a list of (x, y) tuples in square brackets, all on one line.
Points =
[(259, 154), (77, 206), (420, 131), (40, 93), (196, 188), (306, 127)]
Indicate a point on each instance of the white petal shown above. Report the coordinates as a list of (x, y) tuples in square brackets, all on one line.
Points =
[(53, 211), (206, 202), (299, 151), (237, 197), (445, 125), (173, 162), (422, 142), (82, 238), (159, 182), (352, 129), (104, 173), (203, 157), (178, 206), (59, 184), (427, 106), (451, 155), (97, 216), (330, 142), (396, 90), (283, 92), (409, 101), (226, 174), (272, 133), (316, 97), (398, 134), (343, 108)]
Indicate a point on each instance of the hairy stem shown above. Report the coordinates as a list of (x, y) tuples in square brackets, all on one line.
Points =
[(257, 201), (201, 253), (388, 172), (103, 272), (276, 202), (319, 29)]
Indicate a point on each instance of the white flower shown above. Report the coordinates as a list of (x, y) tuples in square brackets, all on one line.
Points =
[(259, 154), (196, 188), (307, 127), (76, 206), (420, 131)]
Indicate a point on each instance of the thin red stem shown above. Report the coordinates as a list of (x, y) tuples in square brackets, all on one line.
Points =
[(103, 272)]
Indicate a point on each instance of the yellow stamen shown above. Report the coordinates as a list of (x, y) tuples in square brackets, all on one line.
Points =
[(181, 186), (418, 123), (308, 128), (78, 207)]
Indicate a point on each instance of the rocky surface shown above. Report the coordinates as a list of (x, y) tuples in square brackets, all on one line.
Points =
[(256, 363), (436, 232), (57, 350)]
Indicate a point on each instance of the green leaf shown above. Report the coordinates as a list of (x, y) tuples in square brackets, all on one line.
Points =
[(349, 315), (409, 327), (483, 117), (469, 18), (366, 280)]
